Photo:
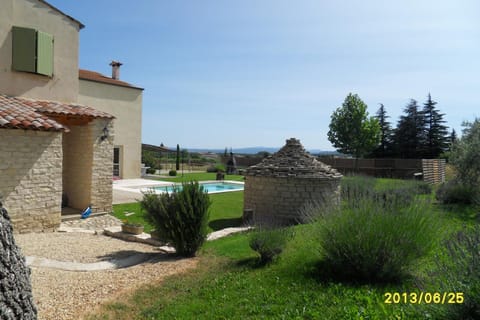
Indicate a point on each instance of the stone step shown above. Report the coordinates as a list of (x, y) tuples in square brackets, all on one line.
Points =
[(77, 216)]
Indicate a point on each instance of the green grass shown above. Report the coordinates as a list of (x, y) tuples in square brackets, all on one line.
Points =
[(229, 284), (226, 211), (199, 176)]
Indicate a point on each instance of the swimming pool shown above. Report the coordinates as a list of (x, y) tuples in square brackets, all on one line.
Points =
[(210, 187)]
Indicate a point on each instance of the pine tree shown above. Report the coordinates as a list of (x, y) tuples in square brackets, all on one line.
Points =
[(436, 133), (384, 148), (409, 136)]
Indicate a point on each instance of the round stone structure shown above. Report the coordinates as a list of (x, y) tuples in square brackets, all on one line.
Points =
[(279, 187)]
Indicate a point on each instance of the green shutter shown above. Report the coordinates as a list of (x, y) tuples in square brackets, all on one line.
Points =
[(23, 49), (44, 53)]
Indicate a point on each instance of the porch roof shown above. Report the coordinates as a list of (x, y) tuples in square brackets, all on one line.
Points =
[(32, 114)]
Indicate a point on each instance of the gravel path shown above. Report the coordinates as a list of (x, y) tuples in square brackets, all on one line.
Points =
[(67, 294)]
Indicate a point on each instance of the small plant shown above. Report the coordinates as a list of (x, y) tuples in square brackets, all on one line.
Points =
[(269, 242), (459, 272), (454, 191), (172, 173), (180, 217)]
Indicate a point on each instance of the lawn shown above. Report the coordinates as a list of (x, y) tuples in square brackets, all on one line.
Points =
[(226, 211), (229, 283), (200, 176)]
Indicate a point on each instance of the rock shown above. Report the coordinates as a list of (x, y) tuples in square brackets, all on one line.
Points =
[(16, 299)]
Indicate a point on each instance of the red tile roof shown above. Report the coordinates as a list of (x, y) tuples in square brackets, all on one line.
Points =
[(98, 77), (30, 114)]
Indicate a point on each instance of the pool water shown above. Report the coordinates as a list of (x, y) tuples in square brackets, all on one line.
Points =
[(210, 187)]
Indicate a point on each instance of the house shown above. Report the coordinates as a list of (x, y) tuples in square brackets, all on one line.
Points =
[(57, 128), (124, 101)]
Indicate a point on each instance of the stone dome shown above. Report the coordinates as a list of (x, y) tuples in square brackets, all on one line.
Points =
[(293, 161)]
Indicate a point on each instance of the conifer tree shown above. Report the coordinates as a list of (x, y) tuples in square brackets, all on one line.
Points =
[(384, 148), (436, 134), (409, 137)]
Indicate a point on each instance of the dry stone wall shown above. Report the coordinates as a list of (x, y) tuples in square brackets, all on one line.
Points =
[(102, 167), (31, 178), (278, 188)]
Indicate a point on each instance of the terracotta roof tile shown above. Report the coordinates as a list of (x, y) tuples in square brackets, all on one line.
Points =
[(30, 114), (98, 77)]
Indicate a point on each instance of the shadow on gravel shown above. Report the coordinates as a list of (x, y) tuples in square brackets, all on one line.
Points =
[(129, 258)]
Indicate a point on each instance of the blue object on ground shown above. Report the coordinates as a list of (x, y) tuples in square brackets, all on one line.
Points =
[(86, 213)]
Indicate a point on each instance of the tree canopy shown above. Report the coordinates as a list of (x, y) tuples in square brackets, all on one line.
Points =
[(351, 130)]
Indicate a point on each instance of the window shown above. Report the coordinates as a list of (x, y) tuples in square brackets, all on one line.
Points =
[(32, 51)]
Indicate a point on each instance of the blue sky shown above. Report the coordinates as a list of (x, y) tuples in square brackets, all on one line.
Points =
[(221, 73)]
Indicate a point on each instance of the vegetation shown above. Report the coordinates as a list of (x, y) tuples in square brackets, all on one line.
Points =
[(228, 284), (225, 211), (351, 130), (172, 173), (384, 149), (372, 238), (459, 271), (180, 217), (269, 242), (410, 132), (436, 133)]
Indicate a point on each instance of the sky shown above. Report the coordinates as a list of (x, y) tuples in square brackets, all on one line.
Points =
[(222, 73)]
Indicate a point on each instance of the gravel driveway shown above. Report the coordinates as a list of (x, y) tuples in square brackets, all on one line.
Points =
[(62, 294)]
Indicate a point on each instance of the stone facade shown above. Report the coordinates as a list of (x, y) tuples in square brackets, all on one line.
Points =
[(31, 171), (280, 186), (102, 166)]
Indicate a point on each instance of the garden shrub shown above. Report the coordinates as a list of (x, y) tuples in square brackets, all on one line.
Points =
[(423, 187), (269, 242), (369, 240), (181, 217), (216, 168), (151, 170), (455, 191), (357, 185), (459, 272), (172, 173)]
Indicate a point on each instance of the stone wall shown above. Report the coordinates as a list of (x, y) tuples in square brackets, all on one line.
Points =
[(282, 199), (102, 167), (31, 178)]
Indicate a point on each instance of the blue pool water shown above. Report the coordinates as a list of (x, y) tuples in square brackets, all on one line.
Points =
[(210, 187)]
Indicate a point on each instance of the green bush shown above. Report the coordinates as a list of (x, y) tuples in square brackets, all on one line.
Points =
[(151, 170), (459, 272), (181, 217), (172, 173), (216, 168), (374, 241), (455, 191), (269, 242)]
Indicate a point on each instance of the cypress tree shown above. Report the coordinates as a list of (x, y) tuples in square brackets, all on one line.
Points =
[(436, 133), (177, 163)]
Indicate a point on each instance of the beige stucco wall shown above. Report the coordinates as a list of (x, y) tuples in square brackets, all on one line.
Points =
[(31, 178), (77, 166), (63, 86), (126, 105), (87, 166)]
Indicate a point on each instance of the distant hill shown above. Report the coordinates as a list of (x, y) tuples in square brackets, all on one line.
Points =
[(255, 150)]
